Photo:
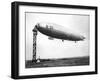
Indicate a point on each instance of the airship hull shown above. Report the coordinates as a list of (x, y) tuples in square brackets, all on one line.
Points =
[(58, 33)]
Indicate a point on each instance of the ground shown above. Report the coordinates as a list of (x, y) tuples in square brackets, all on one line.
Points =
[(58, 62)]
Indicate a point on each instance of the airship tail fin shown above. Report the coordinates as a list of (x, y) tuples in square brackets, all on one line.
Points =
[(50, 38)]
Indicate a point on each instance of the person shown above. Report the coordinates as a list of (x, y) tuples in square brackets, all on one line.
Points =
[(38, 60)]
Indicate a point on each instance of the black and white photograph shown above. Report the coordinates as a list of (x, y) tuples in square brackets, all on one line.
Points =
[(54, 39), (51, 40)]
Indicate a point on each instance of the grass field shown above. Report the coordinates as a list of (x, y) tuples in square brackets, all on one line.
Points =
[(79, 61)]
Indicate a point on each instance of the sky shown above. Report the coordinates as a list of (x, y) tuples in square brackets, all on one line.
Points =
[(56, 48)]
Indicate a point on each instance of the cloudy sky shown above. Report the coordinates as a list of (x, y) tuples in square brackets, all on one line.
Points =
[(56, 48)]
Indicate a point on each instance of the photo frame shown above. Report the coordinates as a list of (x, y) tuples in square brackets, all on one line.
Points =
[(51, 40)]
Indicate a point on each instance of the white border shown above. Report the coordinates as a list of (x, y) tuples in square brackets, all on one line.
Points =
[(53, 70)]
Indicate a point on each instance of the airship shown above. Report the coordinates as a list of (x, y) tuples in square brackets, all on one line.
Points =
[(53, 30)]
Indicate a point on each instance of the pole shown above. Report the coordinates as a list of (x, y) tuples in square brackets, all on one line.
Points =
[(34, 44)]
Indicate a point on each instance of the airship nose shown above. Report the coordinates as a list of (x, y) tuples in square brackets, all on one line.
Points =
[(37, 25)]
